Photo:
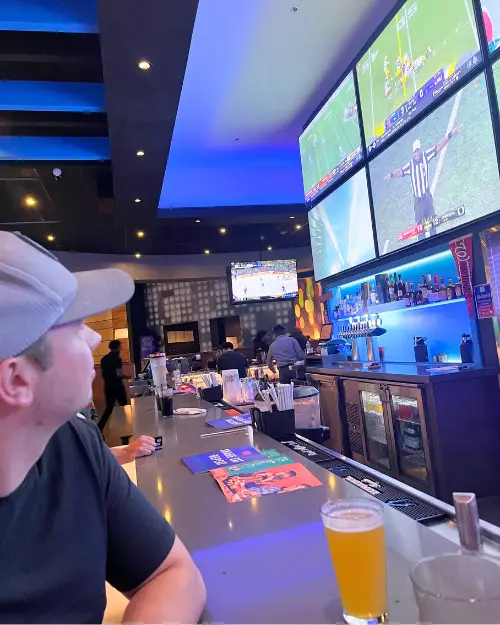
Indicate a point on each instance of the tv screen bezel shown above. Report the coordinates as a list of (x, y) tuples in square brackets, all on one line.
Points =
[(258, 301)]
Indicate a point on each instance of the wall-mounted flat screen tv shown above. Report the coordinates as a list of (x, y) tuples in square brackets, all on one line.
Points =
[(331, 144), (490, 17), (426, 47), (443, 173), (341, 229), (263, 280)]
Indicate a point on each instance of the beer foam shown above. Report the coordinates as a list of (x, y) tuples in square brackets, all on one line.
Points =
[(352, 520)]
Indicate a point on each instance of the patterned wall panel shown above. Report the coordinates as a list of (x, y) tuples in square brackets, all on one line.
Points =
[(202, 300), (308, 308)]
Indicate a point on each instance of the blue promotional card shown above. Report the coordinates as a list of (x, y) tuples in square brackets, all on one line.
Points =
[(201, 463), (232, 422)]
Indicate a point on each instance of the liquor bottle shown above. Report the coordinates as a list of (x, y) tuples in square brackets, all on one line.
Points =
[(336, 313), (392, 296), (435, 289), (401, 288), (450, 290), (418, 295), (458, 289), (442, 291), (358, 303), (424, 290), (387, 297), (412, 295), (373, 295), (407, 297)]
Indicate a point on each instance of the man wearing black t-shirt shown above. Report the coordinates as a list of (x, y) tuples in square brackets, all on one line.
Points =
[(70, 518), (229, 359), (113, 376)]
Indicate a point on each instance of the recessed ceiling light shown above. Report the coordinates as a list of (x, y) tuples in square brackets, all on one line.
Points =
[(137, 200), (144, 64), (298, 226), (140, 233), (30, 201), (50, 237), (292, 217), (198, 221), (206, 251), (269, 248), (137, 255), (222, 230), (140, 153)]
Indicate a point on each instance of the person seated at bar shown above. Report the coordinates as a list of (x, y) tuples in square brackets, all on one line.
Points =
[(285, 351), (296, 334), (70, 517), (229, 359), (259, 342)]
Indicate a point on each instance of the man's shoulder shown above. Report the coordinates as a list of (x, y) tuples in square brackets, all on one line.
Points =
[(78, 435)]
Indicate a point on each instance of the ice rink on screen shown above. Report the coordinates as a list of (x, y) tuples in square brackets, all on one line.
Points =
[(273, 286)]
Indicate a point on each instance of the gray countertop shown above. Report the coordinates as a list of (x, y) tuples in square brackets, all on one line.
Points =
[(263, 560), (405, 372)]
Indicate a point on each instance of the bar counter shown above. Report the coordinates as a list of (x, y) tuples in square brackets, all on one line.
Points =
[(263, 560)]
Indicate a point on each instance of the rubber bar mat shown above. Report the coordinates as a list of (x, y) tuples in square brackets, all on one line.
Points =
[(393, 497), (305, 450)]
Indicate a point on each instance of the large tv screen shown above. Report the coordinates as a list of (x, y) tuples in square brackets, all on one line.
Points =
[(490, 10), (441, 174), (341, 229), (263, 280), (425, 48), (331, 143)]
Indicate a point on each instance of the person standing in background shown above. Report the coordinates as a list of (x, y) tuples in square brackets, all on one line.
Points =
[(112, 373), (229, 359), (259, 342), (285, 351), (300, 338)]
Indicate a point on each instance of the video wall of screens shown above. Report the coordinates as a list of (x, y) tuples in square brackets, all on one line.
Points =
[(425, 48), (441, 174), (490, 10), (340, 227), (331, 143)]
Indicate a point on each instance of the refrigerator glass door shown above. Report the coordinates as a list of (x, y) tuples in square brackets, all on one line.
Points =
[(377, 446), (409, 437)]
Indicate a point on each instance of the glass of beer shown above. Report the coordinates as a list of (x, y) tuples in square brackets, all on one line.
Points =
[(355, 534)]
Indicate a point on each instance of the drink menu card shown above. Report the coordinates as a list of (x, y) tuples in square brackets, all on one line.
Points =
[(233, 422), (273, 481), (201, 463), (273, 459)]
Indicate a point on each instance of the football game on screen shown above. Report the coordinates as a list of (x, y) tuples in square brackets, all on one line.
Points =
[(425, 48), (331, 143), (341, 229), (441, 174)]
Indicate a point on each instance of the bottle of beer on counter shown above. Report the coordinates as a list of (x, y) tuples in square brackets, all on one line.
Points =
[(442, 291), (401, 288), (424, 290), (459, 292), (450, 290), (412, 295), (407, 297), (418, 295)]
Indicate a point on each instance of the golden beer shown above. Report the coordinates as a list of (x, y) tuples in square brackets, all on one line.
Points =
[(355, 534)]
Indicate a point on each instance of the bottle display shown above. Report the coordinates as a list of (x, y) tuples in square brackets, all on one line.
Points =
[(424, 290)]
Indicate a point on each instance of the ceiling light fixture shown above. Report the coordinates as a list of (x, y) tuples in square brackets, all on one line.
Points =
[(140, 153), (269, 248), (50, 237), (144, 64), (206, 251), (222, 230), (140, 234), (30, 201), (137, 200), (298, 226), (292, 217), (137, 255), (197, 221)]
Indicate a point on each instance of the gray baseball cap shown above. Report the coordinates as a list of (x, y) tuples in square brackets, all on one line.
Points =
[(38, 293)]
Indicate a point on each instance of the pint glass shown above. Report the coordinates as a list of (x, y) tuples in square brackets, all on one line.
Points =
[(355, 534)]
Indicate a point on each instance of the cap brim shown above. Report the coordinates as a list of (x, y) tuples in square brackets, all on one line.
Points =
[(98, 291)]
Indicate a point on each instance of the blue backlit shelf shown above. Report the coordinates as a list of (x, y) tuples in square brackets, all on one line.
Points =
[(400, 306)]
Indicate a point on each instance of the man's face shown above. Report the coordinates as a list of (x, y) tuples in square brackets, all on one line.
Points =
[(417, 155), (66, 386)]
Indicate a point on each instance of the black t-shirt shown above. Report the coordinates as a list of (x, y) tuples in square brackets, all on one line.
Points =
[(75, 521), (233, 360), (109, 364)]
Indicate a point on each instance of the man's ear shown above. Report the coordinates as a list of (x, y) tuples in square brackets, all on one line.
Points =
[(18, 378)]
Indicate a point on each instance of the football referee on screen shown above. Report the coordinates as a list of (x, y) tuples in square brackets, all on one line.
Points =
[(418, 170)]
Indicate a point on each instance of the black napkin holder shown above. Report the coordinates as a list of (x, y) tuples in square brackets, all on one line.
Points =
[(275, 424), (212, 393)]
